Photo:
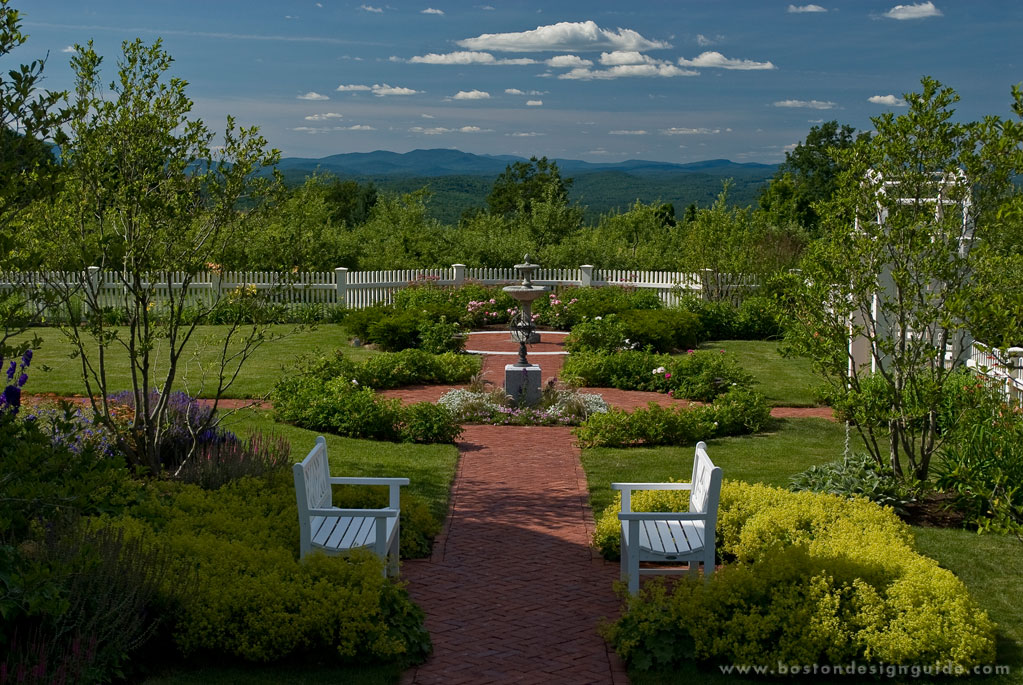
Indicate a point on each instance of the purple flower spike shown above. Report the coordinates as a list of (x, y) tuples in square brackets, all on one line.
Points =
[(22, 379), (26, 358), (10, 371)]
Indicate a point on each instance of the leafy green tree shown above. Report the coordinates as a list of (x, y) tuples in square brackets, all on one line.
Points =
[(732, 246), (808, 175), (400, 234), (896, 272), (523, 183), (27, 169), (149, 199), (349, 201)]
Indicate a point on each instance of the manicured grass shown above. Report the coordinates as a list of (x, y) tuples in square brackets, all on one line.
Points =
[(771, 457), (429, 468), (992, 567), (785, 381), (257, 376)]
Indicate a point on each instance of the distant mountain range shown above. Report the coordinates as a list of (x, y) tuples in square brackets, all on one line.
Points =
[(461, 181), (443, 162)]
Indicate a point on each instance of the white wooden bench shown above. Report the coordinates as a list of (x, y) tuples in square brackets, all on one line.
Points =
[(332, 530), (672, 538)]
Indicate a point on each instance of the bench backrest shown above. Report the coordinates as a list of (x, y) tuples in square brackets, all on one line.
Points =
[(312, 478), (706, 483)]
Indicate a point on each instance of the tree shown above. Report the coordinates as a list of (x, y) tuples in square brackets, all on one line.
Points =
[(808, 175), (895, 273), (27, 169), (523, 183), (149, 199)]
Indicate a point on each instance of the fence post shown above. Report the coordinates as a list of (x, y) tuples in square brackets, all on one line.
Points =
[(459, 273), (705, 283), (341, 283), (93, 276), (586, 275)]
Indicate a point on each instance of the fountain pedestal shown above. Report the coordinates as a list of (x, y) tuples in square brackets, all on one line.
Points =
[(522, 379), (522, 383)]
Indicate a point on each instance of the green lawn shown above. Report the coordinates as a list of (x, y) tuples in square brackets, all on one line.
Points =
[(786, 382), (771, 457), (63, 374), (429, 468)]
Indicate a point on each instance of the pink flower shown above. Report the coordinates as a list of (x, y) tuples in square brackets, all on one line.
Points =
[(667, 375), (689, 351)]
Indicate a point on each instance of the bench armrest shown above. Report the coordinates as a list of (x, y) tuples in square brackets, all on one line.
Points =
[(661, 516), (651, 486), (337, 513), (348, 480)]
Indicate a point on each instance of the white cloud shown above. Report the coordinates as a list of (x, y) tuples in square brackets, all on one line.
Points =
[(627, 133), (313, 95), (801, 9), (717, 60), (564, 36), (534, 103), (382, 89), (890, 100), (513, 91), (526, 134), (426, 116), (430, 10), (313, 130), (440, 130), (467, 57), (368, 8), (324, 117), (920, 10), (690, 131), (624, 57), (568, 61), (808, 104), (471, 95), (790, 147), (378, 89), (319, 4), (486, 7), (663, 69), (68, 48), (703, 41)]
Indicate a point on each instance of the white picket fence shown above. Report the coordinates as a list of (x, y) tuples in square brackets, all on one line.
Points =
[(358, 289), (1003, 367)]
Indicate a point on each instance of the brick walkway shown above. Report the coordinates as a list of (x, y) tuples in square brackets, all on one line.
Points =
[(513, 592)]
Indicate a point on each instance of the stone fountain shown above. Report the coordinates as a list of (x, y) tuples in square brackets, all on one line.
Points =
[(522, 379)]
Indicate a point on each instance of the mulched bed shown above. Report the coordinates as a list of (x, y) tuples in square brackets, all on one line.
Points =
[(934, 510)]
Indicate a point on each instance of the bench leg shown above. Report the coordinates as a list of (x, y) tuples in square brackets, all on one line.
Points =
[(632, 556), (395, 552)]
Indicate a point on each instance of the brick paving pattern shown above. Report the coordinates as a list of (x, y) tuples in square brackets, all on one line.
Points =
[(513, 592)]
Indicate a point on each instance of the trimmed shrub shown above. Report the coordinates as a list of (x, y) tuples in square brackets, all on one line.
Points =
[(255, 601), (755, 319), (699, 375), (658, 330), (394, 370), (344, 407), (556, 408), (817, 579), (737, 412), (565, 309)]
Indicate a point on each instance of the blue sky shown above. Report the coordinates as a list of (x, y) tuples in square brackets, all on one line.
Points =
[(675, 81)]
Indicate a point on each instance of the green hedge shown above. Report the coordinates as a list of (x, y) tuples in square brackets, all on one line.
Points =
[(700, 375), (658, 330), (253, 599), (737, 412), (811, 579), (394, 369), (565, 309)]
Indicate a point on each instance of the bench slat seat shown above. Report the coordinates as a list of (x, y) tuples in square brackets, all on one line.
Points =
[(333, 530), (671, 537)]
